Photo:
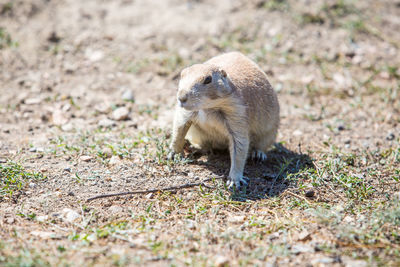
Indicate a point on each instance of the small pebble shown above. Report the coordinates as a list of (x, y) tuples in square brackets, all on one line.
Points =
[(310, 193), (236, 219), (120, 114), (324, 260), (340, 128), (114, 160), (390, 137), (221, 261), (128, 96), (70, 215), (32, 149), (106, 123), (67, 127), (32, 101), (94, 55), (42, 218), (10, 220), (67, 169), (115, 209), (304, 235), (300, 248), (297, 133), (86, 158)]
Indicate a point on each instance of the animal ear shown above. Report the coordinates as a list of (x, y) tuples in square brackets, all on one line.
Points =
[(223, 73), (183, 72)]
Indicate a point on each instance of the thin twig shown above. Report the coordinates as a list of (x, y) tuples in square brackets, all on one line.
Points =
[(165, 189), (295, 195)]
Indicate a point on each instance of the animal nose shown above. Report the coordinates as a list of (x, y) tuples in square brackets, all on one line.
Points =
[(183, 98)]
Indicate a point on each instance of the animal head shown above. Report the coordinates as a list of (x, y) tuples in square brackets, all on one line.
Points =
[(202, 86)]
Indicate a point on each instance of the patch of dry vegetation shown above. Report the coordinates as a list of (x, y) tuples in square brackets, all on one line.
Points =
[(328, 195)]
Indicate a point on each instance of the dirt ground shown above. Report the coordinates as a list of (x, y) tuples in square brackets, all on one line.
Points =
[(87, 93)]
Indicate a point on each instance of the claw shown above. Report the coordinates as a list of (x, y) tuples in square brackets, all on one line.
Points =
[(258, 156), (171, 155), (238, 184)]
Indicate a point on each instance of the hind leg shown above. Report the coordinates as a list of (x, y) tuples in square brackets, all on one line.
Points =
[(262, 145)]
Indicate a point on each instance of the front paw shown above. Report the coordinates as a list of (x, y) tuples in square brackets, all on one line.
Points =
[(238, 182), (172, 152), (258, 156), (173, 155)]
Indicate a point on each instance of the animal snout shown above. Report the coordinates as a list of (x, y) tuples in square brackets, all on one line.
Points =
[(183, 98)]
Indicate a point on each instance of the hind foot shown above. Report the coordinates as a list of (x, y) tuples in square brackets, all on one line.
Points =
[(258, 155)]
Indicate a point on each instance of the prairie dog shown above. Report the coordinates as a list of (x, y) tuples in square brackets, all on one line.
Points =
[(226, 102)]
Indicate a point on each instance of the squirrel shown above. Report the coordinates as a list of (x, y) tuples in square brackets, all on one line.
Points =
[(226, 102)]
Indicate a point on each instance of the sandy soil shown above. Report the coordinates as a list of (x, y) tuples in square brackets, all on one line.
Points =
[(86, 99)]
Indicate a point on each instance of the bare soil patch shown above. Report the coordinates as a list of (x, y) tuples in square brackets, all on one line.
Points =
[(87, 91)]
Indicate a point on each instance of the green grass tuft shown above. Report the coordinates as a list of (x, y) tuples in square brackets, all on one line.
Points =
[(13, 178)]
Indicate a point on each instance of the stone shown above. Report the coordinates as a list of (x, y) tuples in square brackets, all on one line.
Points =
[(42, 218), (70, 215), (310, 193), (86, 158), (94, 55), (103, 108), (324, 260), (348, 219), (114, 160), (115, 209), (390, 137), (190, 224), (273, 236), (349, 262), (120, 114), (44, 235), (128, 95), (237, 219), (69, 67), (300, 248), (106, 123), (384, 75), (341, 81), (221, 261), (32, 101), (304, 236), (10, 220), (67, 127), (297, 133), (307, 79), (59, 118)]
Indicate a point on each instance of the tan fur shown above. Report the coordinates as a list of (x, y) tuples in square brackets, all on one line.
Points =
[(238, 110)]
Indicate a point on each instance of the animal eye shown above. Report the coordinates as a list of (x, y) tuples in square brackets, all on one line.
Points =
[(207, 80)]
